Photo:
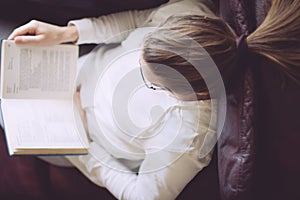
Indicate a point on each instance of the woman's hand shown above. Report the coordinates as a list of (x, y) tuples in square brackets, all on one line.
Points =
[(41, 33), (77, 102)]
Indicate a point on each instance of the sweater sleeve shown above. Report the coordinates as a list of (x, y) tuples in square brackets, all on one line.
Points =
[(112, 28), (151, 182), (169, 163)]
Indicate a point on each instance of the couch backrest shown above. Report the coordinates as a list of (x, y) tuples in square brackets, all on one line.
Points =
[(236, 146), (260, 144)]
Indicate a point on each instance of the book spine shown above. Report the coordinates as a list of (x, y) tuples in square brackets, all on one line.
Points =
[(2, 67)]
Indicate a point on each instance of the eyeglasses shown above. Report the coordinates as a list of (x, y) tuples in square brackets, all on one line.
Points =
[(200, 96), (148, 84)]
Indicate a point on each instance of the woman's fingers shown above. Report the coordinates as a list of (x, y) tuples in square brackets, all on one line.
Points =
[(29, 39), (37, 33), (27, 29)]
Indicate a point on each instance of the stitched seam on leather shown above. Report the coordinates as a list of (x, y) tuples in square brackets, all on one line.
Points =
[(234, 191), (243, 149), (240, 18), (239, 163), (242, 27)]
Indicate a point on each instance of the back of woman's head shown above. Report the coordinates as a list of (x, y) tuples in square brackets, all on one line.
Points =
[(278, 38), (176, 44)]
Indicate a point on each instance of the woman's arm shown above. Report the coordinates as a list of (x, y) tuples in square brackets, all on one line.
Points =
[(155, 180), (77, 103), (112, 28), (166, 168)]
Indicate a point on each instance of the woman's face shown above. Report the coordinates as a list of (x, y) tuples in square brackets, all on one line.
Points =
[(149, 76), (156, 81), (160, 83)]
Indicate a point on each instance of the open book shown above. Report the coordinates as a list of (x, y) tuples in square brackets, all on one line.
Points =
[(37, 87)]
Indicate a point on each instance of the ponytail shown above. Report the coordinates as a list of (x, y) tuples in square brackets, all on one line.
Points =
[(278, 37)]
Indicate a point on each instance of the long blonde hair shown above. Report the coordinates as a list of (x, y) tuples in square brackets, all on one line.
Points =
[(277, 38)]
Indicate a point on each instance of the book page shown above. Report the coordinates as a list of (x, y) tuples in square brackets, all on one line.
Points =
[(38, 72), (42, 124)]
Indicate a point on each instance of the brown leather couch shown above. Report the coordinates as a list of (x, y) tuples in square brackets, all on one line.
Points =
[(258, 150), (256, 156)]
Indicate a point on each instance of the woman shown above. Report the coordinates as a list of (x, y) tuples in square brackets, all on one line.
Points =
[(138, 176), (149, 158)]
